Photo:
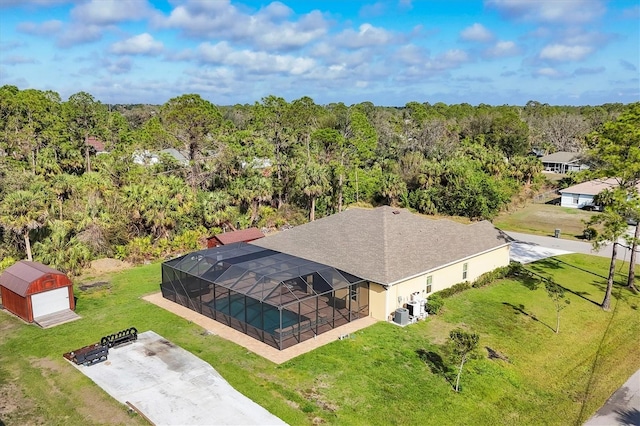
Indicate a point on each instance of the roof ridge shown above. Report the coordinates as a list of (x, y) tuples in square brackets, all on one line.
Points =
[(385, 244)]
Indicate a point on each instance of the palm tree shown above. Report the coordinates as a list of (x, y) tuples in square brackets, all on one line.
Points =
[(392, 188), (314, 181), (21, 212)]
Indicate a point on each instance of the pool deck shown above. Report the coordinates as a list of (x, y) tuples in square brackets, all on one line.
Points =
[(256, 346)]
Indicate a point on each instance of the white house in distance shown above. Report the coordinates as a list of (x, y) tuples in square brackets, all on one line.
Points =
[(581, 195), (563, 162)]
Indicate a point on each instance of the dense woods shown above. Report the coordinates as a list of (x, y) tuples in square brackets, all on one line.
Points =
[(64, 202)]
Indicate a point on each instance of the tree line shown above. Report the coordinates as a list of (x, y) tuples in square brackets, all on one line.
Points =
[(267, 164)]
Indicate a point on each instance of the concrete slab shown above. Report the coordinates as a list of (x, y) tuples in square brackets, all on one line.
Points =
[(171, 386), (524, 252)]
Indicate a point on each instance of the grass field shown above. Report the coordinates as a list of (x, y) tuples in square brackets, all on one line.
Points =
[(544, 219), (378, 377)]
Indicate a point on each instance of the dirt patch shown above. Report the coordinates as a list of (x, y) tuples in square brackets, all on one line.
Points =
[(95, 407), (97, 284), (106, 265), (16, 408)]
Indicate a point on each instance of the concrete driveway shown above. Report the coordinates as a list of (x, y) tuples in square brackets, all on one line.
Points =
[(171, 386), (535, 247)]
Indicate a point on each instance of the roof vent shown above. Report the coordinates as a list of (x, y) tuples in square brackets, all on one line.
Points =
[(396, 212)]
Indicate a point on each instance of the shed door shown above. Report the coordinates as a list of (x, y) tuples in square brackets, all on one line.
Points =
[(50, 301)]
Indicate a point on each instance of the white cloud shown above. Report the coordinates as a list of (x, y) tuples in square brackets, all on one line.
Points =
[(18, 60), (366, 36), (548, 72), (78, 34), (142, 44), (563, 52), (411, 54), (476, 32), (109, 12), (588, 71), (262, 62), (502, 49), (46, 29), (448, 60), (549, 11), (267, 28)]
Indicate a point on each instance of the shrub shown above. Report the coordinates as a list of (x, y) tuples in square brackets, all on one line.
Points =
[(491, 276), (454, 289), (589, 233), (434, 304)]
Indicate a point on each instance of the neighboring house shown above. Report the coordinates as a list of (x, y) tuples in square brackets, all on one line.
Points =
[(242, 235), (581, 195), (291, 286), (148, 158), (96, 144), (563, 162)]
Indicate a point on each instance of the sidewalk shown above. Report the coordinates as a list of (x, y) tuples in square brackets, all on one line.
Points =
[(623, 408)]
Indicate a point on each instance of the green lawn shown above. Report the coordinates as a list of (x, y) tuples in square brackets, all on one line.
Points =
[(544, 219), (376, 378)]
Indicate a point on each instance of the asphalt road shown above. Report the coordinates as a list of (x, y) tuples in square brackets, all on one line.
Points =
[(569, 245)]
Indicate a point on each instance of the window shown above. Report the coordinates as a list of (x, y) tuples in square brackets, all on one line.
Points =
[(464, 271), (429, 282), (576, 198)]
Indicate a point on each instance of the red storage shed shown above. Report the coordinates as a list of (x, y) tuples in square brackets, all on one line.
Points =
[(32, 290), (243, 235)]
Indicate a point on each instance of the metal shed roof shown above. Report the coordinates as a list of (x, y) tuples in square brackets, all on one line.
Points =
[(248, 234), (20, 275), (262, 274)]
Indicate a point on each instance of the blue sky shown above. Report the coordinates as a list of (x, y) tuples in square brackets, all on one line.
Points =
[(562, 52)]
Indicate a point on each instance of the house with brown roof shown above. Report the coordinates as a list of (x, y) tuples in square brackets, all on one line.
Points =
[(96, 144), (289, 287), (563, 162)]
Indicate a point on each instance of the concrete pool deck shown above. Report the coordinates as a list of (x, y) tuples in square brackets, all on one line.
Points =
[(254, 345)]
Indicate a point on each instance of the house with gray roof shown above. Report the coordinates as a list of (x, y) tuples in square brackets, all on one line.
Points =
[(289, 287), (563, 162)]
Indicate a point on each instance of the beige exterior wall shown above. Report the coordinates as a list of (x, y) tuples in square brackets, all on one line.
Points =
[(377, 301), (399, 294)]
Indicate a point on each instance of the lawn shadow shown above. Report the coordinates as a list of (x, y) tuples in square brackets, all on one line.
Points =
[(436, 364), (520, 310), (493, 354), (541, 266)]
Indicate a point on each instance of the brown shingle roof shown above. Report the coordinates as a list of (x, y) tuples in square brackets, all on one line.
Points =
[(385, 245), (96, 143), (18, 276), (248, 234)]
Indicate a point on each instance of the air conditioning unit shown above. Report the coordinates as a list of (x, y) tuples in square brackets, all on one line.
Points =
[(401, 316)]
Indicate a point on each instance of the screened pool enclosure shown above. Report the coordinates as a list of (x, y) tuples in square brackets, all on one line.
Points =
[(271, 296)]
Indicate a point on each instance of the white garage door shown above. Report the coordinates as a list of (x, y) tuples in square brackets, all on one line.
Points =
[(50, 301)]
